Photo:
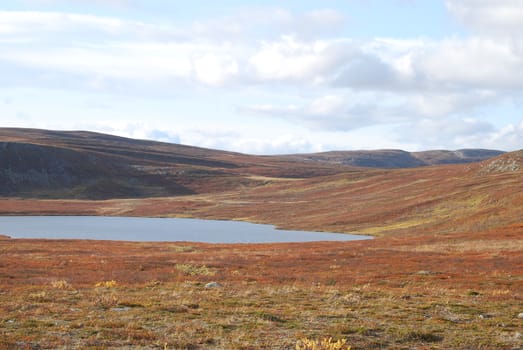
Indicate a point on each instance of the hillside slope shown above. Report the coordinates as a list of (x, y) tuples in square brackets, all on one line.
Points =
[(446, 199), (76, 164)]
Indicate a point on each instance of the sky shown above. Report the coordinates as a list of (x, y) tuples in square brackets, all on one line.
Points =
[(269, 77)]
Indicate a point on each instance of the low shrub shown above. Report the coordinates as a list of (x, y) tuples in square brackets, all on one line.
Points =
[(323, 344)]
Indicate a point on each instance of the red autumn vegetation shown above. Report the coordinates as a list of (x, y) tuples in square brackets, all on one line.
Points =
[(444, 272)]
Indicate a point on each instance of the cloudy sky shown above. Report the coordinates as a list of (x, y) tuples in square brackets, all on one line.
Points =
[(269, 76)]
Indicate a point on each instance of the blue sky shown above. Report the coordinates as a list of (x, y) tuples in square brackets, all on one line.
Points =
[(269, 77)]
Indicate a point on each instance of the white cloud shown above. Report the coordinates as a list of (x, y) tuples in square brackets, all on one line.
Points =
[(38, 23), (456, 133), (324, 17), (124, 61), (266, 23), (509, 137), (136, 130), (289, 65), (477, 63), (92, 47), (300, 61), (369, 72), (114, 48), (282, 144), (440, 104), (279, 144), (315, 23), (324, 106), (336, 112), (116, 3), (213, 69), (327, 105), (492, 17)]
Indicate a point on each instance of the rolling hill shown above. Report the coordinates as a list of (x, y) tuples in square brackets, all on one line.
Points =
[(79, 164), (61, 164), (392, 159)]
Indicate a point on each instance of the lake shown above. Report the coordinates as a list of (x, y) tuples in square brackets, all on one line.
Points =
[(156, 229)]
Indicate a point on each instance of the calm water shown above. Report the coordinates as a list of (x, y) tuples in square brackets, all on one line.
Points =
[(156, 229)]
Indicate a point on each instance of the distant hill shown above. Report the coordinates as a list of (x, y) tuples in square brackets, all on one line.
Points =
[(393, 159), (79, 164)]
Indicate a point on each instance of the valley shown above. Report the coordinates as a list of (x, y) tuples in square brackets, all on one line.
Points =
[(445, 270)]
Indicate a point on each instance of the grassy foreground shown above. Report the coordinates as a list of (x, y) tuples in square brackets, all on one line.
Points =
[(401, 293)]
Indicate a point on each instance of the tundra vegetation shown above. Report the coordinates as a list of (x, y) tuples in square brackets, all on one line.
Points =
[(372, 294), (445, 270)]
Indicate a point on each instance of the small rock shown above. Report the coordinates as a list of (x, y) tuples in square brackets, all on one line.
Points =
[(423, 272), (120, 308), (213, 285), (520, 315), (484, 316)]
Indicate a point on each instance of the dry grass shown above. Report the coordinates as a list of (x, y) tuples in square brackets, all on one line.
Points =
[(92, 295), (193, 270), (478, 246), (186, 315)]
